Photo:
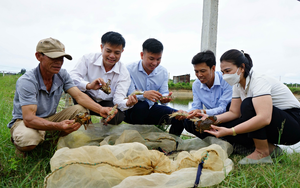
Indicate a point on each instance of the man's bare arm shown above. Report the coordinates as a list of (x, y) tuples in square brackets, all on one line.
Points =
[(32, 121), (88, 103)]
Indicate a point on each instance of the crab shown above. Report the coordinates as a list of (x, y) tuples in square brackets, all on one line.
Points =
[(106, 89), (166, 97), (110, 113), (84, 119), (201, 125), (136, 92), (174, 114)]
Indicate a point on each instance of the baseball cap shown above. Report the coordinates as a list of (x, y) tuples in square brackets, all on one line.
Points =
[(52, 48)]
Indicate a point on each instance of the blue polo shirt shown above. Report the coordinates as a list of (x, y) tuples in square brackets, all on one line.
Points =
[(215, 99), (31, 90), (157, 80)]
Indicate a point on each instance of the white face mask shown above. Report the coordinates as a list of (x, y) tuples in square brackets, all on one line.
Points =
[(232, 79)]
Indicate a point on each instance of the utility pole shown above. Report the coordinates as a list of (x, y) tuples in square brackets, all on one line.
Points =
[(209, 25)]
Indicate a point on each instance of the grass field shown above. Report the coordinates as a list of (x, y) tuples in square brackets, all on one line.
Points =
[(31, 171)]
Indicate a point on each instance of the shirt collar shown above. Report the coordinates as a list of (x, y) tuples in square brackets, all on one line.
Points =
[(56, 82), (216, 82), (40, 78), (141, 68), (115, 69)]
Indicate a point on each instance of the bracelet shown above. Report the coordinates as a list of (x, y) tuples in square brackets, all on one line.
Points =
[(233, 132)]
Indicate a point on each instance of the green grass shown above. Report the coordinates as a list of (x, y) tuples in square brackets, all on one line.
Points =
[(31, 171)]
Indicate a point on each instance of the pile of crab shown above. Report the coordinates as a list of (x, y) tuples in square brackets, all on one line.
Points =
[(200, 124)]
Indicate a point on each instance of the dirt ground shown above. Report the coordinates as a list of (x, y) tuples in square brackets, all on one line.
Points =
[(298, 97), (183, 94)]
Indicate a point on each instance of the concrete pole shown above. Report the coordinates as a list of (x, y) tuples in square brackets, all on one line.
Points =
[(209, 25)]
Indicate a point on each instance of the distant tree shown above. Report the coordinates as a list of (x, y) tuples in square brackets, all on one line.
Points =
[(23, 71)]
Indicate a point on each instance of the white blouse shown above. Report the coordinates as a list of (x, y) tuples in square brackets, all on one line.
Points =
[(261, 84)]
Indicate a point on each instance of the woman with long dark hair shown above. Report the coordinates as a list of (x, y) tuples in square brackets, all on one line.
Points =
[(263, 111)]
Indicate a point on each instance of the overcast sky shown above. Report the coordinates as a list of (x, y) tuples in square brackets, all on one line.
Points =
[(268, 30)]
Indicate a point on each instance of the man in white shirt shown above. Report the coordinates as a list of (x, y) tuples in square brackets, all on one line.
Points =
[(95, 69), (149, 76)]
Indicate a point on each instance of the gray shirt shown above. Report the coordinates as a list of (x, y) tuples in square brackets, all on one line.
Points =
[(31, 90)]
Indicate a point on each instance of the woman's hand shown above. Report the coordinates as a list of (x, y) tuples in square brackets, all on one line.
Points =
[(219, 131)]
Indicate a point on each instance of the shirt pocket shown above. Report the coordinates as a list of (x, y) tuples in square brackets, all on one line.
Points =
[(154, 86)]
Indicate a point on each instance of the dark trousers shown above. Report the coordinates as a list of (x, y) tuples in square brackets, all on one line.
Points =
[(284, 127), (119, 117), (156, 115)]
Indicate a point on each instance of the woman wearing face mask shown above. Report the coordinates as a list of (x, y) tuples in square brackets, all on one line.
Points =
[(263, 111)]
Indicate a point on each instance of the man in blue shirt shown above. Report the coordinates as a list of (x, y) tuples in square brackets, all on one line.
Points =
[(149, 76), (209, 90)]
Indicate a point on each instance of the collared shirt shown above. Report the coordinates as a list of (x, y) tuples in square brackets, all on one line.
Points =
[(260, 84), (215, 99), (31, 90), (90, 67), (157, 80)]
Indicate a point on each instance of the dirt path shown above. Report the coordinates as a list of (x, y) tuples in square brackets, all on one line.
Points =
[(182, 94)]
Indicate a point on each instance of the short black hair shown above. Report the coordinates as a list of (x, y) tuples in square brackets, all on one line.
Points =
[(207, 57), (113, 38), (153, 45)]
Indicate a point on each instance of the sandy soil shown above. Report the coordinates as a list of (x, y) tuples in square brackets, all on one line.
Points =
[(183, 94), (298, 97)]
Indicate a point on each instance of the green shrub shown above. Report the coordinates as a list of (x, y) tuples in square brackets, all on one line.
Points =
[(295, 90), (180, 85)]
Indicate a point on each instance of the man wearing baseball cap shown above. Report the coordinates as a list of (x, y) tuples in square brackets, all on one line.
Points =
[(37, 96)]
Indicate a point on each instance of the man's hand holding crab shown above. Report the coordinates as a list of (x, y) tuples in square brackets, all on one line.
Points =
[(215, 130), (166, 99), (152, 95), (105, 112), (96, 84), (132, 100)]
